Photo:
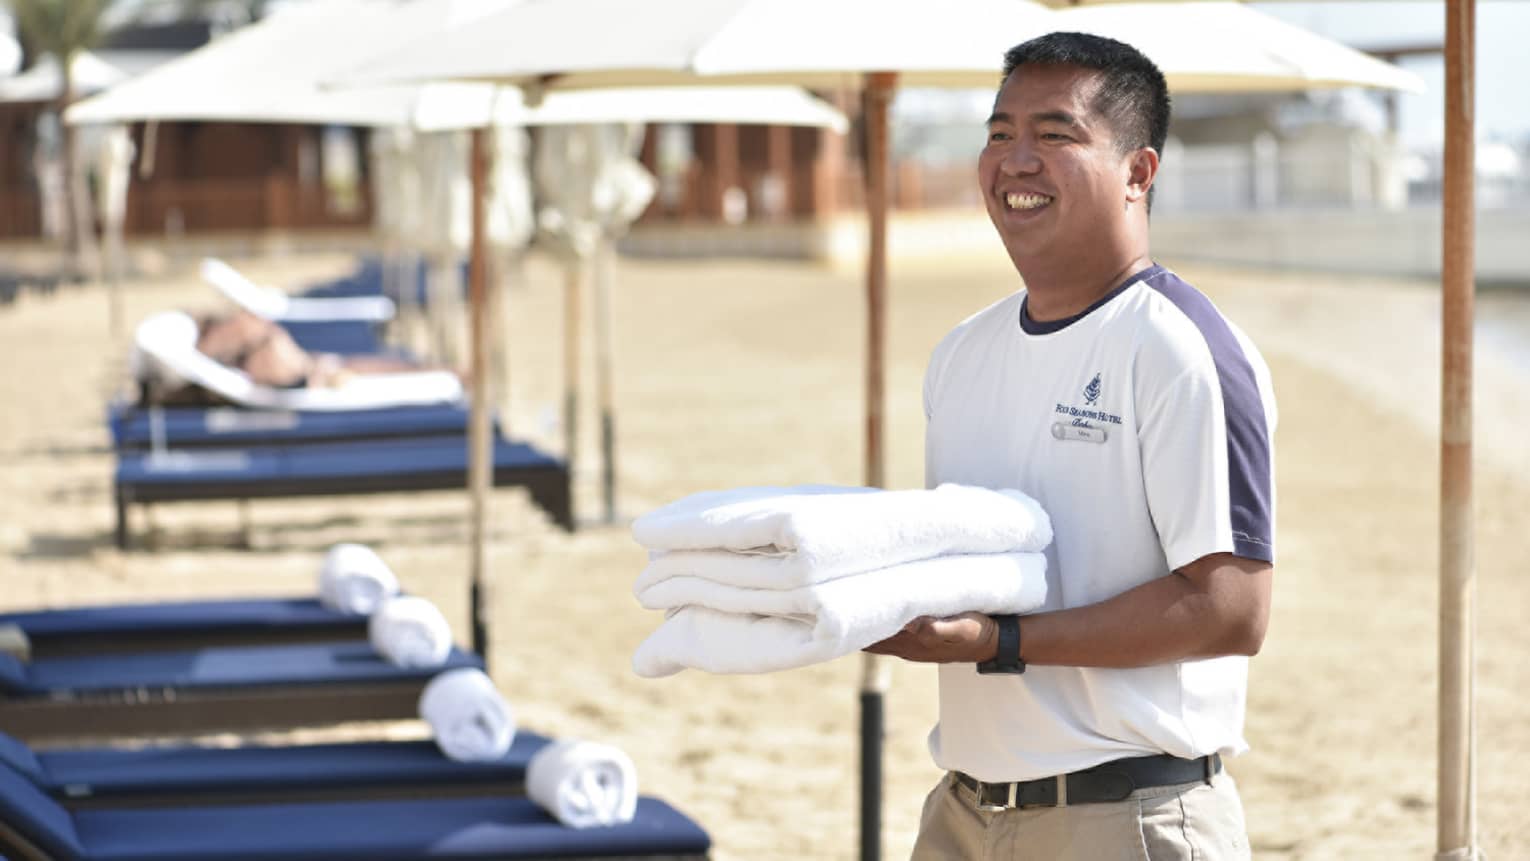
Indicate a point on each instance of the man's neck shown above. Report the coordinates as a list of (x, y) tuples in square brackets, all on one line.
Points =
[(1059, 295)]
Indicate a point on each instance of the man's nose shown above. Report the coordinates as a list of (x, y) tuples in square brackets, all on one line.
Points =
[(1020, 159)]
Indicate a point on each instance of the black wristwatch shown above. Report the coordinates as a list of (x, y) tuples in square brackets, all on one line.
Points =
[(1007, 659)]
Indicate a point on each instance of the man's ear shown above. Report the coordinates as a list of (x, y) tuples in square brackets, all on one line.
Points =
[(1142, 169)]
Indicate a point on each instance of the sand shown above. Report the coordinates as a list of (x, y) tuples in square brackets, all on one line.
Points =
[(748, 372)]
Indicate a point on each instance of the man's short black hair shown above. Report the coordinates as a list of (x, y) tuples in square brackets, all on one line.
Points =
[(1133, 96)]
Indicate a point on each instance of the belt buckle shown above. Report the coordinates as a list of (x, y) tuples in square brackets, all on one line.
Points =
[(989, 807)]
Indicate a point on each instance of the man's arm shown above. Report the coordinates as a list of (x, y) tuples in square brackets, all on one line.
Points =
[(1217, 605)]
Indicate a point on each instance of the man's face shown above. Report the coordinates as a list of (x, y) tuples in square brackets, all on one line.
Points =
[(1050, 173)]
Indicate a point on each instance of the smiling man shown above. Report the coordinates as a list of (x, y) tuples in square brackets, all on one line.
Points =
[(1142, 419)]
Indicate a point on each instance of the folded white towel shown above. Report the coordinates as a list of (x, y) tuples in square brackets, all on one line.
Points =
[(800, 535), (410, 632), (469, 718), (726, 629), (355, 580), (583, 784)]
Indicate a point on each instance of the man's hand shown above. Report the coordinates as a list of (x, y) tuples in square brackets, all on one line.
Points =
[(966, 639)]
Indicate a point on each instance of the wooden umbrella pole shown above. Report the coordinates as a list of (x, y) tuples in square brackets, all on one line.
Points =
[(573, 288), (877, 98), (605, 370), (1457, 730), (880, 87), (479, 454)]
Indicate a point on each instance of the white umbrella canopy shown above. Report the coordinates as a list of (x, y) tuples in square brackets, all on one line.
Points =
[(273, 71), (277, 71), (1228, 47), (609, 43), (1201, 47)]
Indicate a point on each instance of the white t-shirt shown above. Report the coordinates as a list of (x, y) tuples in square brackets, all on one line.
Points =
[(1144, 426)]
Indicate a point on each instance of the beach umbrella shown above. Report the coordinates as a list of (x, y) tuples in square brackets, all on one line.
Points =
[(552, 45)]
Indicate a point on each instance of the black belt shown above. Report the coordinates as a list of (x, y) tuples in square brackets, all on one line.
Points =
[(1109, 781)]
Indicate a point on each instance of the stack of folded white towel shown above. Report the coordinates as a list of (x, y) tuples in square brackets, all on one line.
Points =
[(408, 631), (766, 578)]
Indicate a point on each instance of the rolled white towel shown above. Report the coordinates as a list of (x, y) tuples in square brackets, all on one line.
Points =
[(471, 722), (583, 784), (355, 580), (410, 632)]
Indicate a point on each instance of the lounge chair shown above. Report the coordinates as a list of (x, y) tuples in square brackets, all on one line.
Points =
[(178, 625), (182, 774), (274, 304), (35, 826), (208, 690), (135, 427), (327, 469)]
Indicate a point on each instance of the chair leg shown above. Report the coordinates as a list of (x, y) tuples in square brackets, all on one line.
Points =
[(246, 538), (122, 525)]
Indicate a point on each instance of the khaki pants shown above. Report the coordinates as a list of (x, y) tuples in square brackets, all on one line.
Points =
[(1196, 821)]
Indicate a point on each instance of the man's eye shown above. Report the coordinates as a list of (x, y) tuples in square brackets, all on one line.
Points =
[(998, 136), (1053, 136)]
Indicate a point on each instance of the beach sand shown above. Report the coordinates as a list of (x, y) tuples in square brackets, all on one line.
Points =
[(747, 372)]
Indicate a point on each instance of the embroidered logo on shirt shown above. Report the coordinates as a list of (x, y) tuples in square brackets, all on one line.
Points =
[(1086, 420), (1092, 391)]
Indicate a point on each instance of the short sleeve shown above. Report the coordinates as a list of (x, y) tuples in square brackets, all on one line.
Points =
[(1207, 456)]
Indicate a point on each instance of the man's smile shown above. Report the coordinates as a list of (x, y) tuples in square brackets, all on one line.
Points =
[(1023, 201)]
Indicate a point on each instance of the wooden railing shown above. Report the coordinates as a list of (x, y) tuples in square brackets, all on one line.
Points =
[(193, 206)]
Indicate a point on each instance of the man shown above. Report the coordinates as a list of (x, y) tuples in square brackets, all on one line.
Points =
[(1120, 398)]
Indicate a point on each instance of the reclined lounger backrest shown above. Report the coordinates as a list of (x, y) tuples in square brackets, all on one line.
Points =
[(15, 753), (36, 818), (274, 304)]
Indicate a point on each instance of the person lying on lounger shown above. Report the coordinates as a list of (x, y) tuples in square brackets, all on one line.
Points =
[(266, 353)]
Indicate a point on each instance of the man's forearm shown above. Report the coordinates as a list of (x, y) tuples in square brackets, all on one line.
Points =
[(1183, 616)]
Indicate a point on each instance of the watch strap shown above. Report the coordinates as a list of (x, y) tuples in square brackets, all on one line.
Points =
[(1007, 658)]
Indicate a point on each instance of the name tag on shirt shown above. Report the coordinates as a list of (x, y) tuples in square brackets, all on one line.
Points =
[(1082, 433)]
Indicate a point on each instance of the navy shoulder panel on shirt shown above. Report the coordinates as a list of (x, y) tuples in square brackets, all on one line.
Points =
[(1249, 472)]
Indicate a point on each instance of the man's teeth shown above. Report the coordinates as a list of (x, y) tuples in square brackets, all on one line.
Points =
[(1026, 201)]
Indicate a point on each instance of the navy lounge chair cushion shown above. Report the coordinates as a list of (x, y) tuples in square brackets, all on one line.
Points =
[(132, 427), (214, 668), (251, 614), (377, 830), (320, 462), (186, 768), (347, 337), (13, 673)]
